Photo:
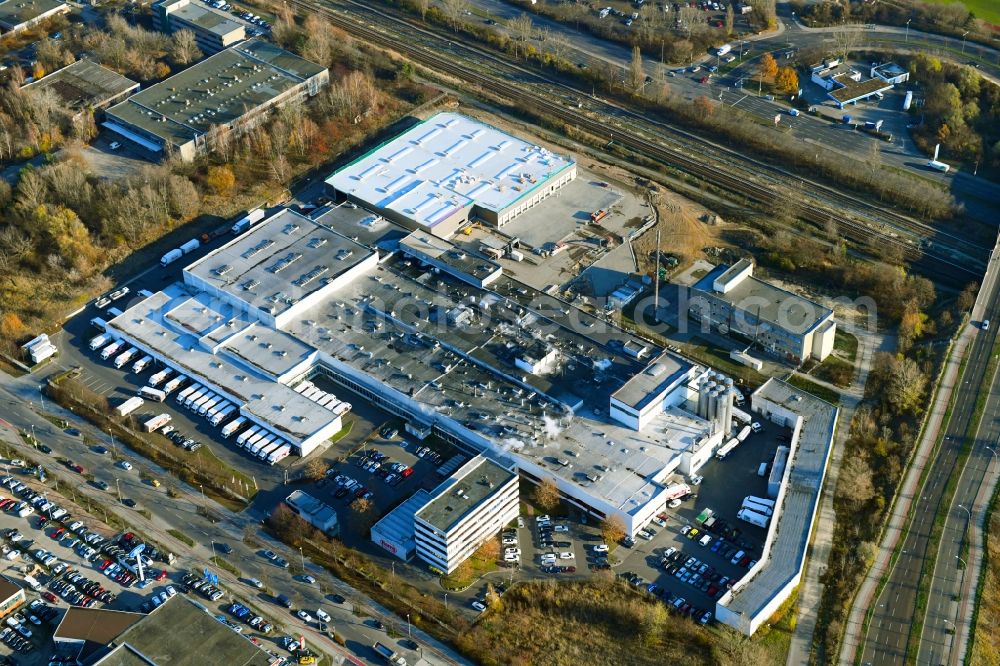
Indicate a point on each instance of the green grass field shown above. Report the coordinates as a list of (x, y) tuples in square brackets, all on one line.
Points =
[(984, 9)]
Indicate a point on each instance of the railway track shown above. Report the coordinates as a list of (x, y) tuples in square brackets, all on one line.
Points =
[(945, 254)]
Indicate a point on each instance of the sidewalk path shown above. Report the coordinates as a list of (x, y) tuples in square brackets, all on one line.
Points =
[(811, 588)]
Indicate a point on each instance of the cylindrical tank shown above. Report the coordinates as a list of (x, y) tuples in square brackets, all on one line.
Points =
[(727, 411), (703, 397)]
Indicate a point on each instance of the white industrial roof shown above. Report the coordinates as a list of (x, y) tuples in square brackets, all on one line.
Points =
[(446, 164)]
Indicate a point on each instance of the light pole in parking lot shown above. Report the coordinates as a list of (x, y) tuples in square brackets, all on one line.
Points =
[(908, 30), (446, 601), (408, 634), (302, 558), (202, 488)]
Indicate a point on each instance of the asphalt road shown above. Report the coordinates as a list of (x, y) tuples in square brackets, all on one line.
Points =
[(20, 399), (889, 632)]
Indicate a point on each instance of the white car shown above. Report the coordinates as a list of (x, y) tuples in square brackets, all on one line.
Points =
[(323, 615), (601, 548), (513, 551), (478, 606), (674, 503), (520, 521), (17, 463), (756, 426), (511, 557), (171, 590), (309, 580), (125, 465), (304, 616), (548, 558), (256, 583), (115, 145), (543, 520), (566, 555), (645, 535), (510, 542), (561, 528)]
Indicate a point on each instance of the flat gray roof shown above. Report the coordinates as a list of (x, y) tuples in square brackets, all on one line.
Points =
[(176, 323), (15, 12), (183, 633), (207, 18), (361, 225), (462, 261), (805, 482), (279, 262), (397, 525), (445, 164), (646, 385), (216, 91), (468, 374), (462, 492), (856, 89), (767, 302), (84, 83)]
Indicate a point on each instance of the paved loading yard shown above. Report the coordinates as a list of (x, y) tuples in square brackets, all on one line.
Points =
[(725, 485)]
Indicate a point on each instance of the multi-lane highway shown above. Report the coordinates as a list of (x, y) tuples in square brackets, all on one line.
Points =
[(888, 638)]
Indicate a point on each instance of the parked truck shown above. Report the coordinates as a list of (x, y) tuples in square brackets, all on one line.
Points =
[(150, 393), (279, 455), (160, 376), (233, 426), (112, 349), (222, 413), (727, 448), (752, 517), (247, 220), (759, 508), (99, 341), (744, 433), (247, 434), (723, 50), (171, 257), (125, 357), (190, 246), (677, 490), (174, 384), (156, 422), (390, 655), (142, 364), (129, 406), (769, 503)]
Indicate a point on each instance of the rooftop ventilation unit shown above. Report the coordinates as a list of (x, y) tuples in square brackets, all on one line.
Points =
[(222, 270), (250, 284), (259, 247)]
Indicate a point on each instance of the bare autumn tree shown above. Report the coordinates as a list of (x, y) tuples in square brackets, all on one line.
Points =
[(453, 10), (319, 46), (636, 73), (521, 27), (846, 39), (316, 469), (184, 49), (423, 6), (855, 482), (729, 19)]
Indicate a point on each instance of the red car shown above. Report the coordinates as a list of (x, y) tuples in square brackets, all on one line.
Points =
[(104, 564), (48, 596), (406, 472), (42, 520), (58, 533), (160, 576), (703, 79), (76, 468)]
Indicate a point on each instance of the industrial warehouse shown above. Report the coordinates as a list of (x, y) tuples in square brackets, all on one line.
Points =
[(528, 387), (449, 169), (255, 319), (227, 92)]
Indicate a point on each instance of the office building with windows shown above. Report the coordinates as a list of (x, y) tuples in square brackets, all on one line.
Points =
[(466, 509)]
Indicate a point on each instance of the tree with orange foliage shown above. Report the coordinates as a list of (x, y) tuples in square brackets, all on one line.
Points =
[(786, 80), (220, 179), (768, 66)]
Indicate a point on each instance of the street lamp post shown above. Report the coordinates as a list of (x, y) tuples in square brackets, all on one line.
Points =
[(963, 41), (408, 634), (908, 30), (302, 559), (446, 601), (202, 489)]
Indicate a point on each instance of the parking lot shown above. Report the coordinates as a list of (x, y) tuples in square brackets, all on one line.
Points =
[(61, 560), (665, 560)]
